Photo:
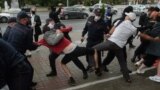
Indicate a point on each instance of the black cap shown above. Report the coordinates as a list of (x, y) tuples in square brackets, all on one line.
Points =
[(12, 19), (97, 11), (22, 14)]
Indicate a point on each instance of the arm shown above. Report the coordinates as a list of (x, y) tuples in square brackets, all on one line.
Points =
[(30, 44), (66, 29), (147, 37)]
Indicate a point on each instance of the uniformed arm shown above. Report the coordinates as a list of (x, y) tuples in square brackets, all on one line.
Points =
[(30, 44)]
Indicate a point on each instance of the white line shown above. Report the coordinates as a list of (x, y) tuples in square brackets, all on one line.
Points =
[(101, 81)]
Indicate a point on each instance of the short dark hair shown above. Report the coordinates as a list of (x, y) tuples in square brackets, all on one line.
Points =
[(156, 9)]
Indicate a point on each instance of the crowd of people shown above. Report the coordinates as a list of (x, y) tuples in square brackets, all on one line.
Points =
[(16, 71)]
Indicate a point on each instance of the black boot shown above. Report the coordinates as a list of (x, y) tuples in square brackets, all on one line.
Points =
[(71, 81), (98, 72), (51, 74), (85, 75), (104, 68)]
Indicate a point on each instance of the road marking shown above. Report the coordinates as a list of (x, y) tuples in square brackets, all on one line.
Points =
[(101, 81)]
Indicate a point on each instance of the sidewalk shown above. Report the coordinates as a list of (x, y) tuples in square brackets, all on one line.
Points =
[(40, 62)]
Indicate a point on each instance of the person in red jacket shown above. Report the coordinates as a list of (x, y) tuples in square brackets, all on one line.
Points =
[(71, 51)]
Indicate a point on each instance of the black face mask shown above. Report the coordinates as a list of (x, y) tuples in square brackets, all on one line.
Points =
[(33, 12)]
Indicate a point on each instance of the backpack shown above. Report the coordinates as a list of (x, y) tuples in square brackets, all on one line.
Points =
[(52, 38)]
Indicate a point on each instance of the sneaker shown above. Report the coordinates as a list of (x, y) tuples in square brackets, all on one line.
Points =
[(140, 71), (33, 84), (85, 75), (132, 46), (104, 68), (51, 74), (98, 72), (137, 64), (155, 78), (89, 69), (71, 81)]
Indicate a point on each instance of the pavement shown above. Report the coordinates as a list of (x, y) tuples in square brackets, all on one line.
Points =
[(108, 81)]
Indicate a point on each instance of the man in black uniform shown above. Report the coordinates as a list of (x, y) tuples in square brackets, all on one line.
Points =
[(21, 36), (14, 71), (96, 29)]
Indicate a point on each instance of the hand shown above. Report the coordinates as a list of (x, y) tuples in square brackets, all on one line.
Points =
[(58, 31), (107, 35), (157, 39)]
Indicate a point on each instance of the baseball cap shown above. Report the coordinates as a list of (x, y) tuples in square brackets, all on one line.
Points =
[(131, 15), (22, 14), (12, 19)]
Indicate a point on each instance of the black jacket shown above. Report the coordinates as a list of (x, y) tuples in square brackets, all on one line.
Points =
[(54, 15), (9, 58), (21, 37), (96, 30), (6, 33), (37, 19)]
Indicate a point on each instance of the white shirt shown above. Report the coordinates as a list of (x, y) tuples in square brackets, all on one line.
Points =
[(122, 32), (33, 22)]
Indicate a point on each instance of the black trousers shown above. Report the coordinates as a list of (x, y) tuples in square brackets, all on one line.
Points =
[(36, 36), (108, 45), (52, 60), (140, 49), (19, 78), (111, 55)]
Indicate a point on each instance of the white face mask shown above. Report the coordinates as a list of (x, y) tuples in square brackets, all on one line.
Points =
[(50, 25), (96, 18)]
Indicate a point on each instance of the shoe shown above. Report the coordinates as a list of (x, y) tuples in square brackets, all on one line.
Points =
[(155, 78), (129, 71), (132, 46), (28, 56), (128, 80), (98, 72), (104, 68), (33, 84), (140, 71), (137, 64), (89, 69), (85, 75), (133, 59), (51, 74), (71, 81)]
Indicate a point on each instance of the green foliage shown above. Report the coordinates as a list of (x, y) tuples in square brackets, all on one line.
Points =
[(103, 11)]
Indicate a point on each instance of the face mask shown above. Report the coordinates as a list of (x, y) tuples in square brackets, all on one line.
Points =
[(96, 18), (33, 12), (50, 25)]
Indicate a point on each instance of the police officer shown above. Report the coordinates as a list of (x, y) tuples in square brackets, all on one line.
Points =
[(21, 36), (14, 71), (96, 28)]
